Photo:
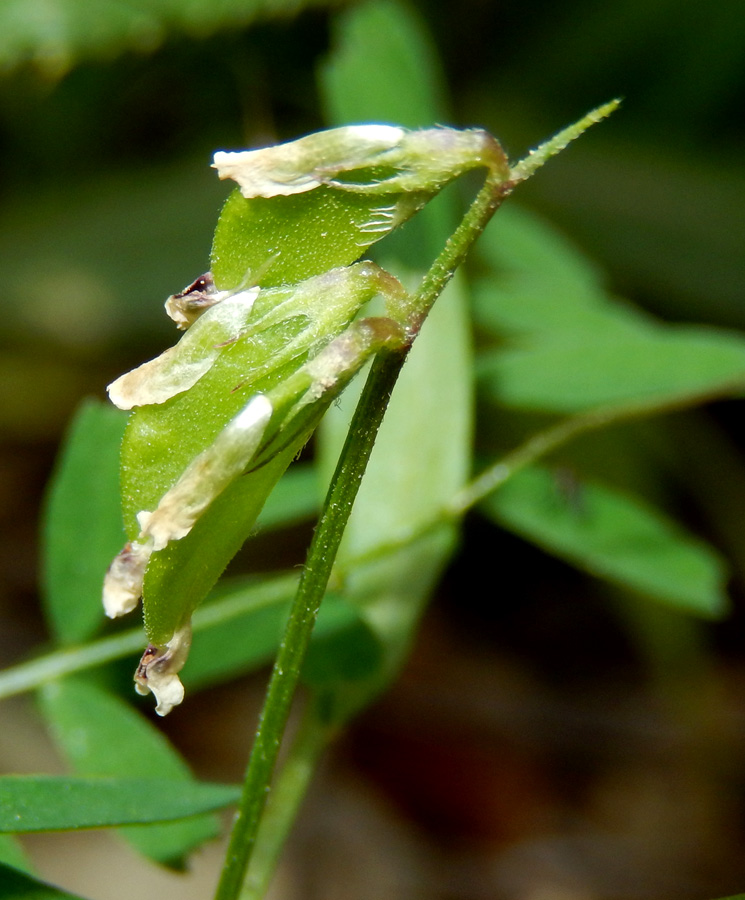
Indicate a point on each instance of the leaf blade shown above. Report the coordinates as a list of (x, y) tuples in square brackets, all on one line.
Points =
[(613, 536), (663, 365), (102, 736), (83, 527), (33, 803)]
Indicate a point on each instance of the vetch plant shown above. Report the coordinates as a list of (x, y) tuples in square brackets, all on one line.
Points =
[(263, 357), (198, 450), (273, 334)]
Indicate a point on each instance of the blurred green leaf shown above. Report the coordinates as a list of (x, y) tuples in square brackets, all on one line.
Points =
[(540, 286), (250, 639), (234, 648), (12, 854), (85, 258), (667, 226), (404, 487), (15, 885), (56, 35), (83, 527), (579, 373), (296, 498), (344, 647), (613, 536), (519, 241), (567, 346), (102, 736), (379, 47), (52, 803), (245, 640), (421, 455)]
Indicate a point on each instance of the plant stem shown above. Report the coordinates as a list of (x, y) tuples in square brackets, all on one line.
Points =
[(288, 792), (544, 442), (493, 192), (29, 675), (334, 515), (536, 158), (286, 672)]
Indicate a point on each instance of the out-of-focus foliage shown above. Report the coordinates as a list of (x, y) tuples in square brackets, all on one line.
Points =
[(55, 35)]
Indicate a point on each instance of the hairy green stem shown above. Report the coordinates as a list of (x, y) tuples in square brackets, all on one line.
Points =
[(288, 792), (287, 667), (536, 158)]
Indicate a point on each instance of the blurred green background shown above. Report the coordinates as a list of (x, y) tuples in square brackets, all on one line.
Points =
[(109, 114)]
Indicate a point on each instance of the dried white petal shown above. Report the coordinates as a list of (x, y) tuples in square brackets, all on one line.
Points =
[(158, 671), (122, 586), (207, 476), (180, 367), (302, 165)]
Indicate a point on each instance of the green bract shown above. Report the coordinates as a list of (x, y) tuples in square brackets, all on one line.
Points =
[(318, 202)]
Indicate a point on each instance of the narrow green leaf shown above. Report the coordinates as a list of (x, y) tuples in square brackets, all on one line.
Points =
[(613, 536), (83, 526), (16, 885), (664, 364), (30, 803), (12, 854), (249, 640), (100, 735), (296, 498), (567, 346), (379, 47), (539, 286), (519, 241)]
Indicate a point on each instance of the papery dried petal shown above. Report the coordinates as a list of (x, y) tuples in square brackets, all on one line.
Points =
[(187, 306), (158, 671), (122, 586), (207, 476), (180, 367), (302, 165)]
